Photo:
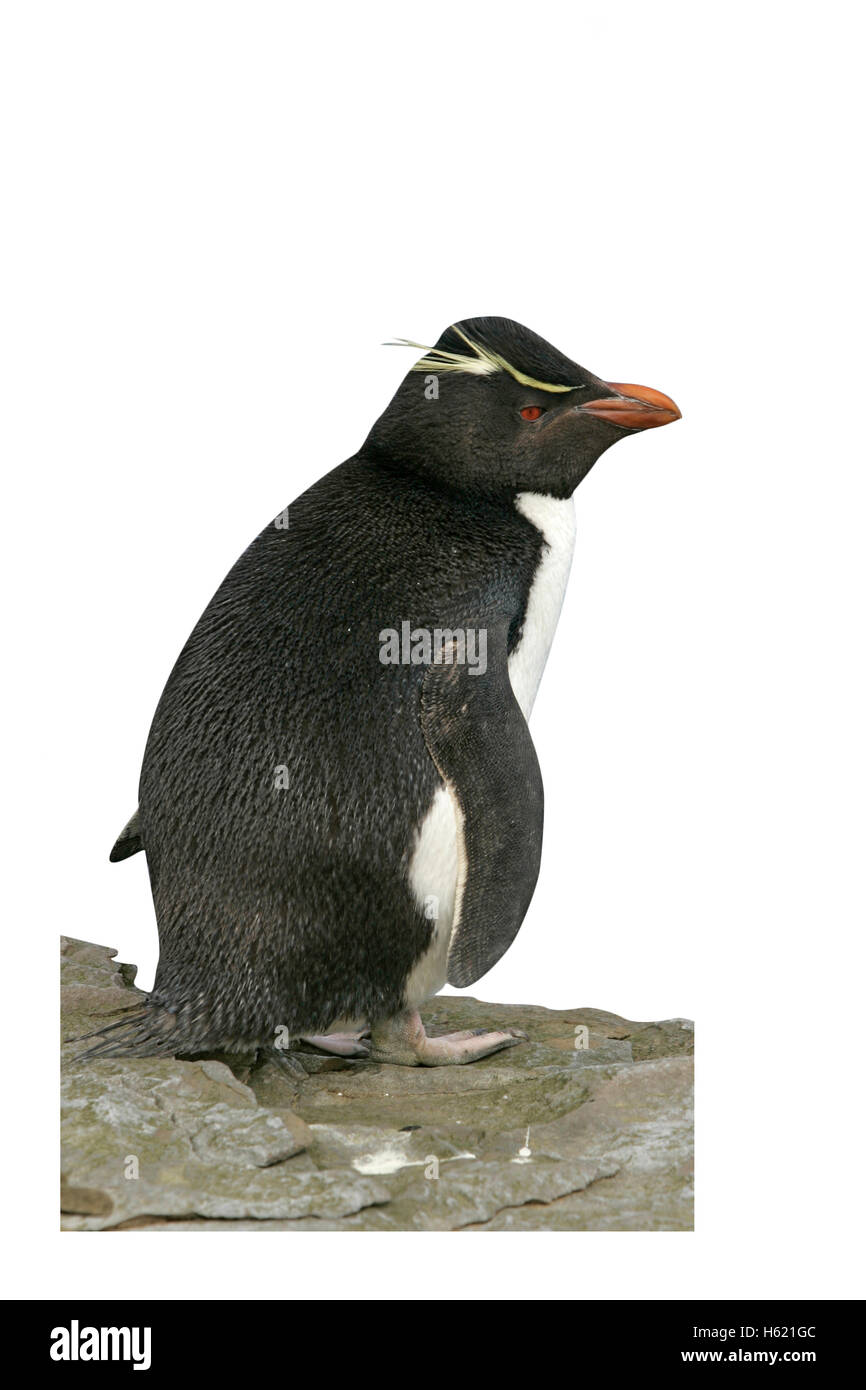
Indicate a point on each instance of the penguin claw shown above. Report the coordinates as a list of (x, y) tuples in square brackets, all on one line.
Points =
[(288, 1063), (298, 1066)]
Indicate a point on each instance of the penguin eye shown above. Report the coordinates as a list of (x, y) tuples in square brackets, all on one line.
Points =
[(531, 412)]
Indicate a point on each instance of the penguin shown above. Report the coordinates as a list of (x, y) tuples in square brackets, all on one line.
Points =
[(340, 801)]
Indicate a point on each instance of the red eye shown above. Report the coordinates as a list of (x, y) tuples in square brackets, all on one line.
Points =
[(531, 412)]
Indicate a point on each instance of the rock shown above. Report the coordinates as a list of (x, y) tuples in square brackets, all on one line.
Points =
[(587, 1126)]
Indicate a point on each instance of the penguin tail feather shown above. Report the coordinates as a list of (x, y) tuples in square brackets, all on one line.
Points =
[(147, 1032), (128, 842)]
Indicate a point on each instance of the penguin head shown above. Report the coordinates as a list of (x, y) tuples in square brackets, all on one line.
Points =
[(493, 408)]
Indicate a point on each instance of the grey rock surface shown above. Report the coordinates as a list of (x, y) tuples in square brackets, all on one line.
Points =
[(587, 1126)]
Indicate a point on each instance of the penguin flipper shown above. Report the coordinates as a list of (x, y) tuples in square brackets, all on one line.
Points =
[(128, 842), (479, 740)]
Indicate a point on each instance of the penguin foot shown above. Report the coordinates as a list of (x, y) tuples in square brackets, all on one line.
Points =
[(340, 1044), (403, 1041), (288, 1063)]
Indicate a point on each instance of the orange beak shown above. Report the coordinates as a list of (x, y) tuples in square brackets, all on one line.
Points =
[(634, 407)]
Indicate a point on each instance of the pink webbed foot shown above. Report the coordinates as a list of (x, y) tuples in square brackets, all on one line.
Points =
[(340, 1044), (403, 1041)]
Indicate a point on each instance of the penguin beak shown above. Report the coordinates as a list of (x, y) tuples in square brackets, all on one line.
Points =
[(633, 407)]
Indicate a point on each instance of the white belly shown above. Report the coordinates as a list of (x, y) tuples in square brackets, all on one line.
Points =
[(438, 865), (436, 876), (554, 518)]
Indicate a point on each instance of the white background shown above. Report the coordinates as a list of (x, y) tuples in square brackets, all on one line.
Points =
[(215, 213)]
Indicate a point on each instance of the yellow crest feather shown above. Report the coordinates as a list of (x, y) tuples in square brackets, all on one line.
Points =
[(482, 362)]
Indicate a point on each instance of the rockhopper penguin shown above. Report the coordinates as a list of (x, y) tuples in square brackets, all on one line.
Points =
[(340, 801)]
